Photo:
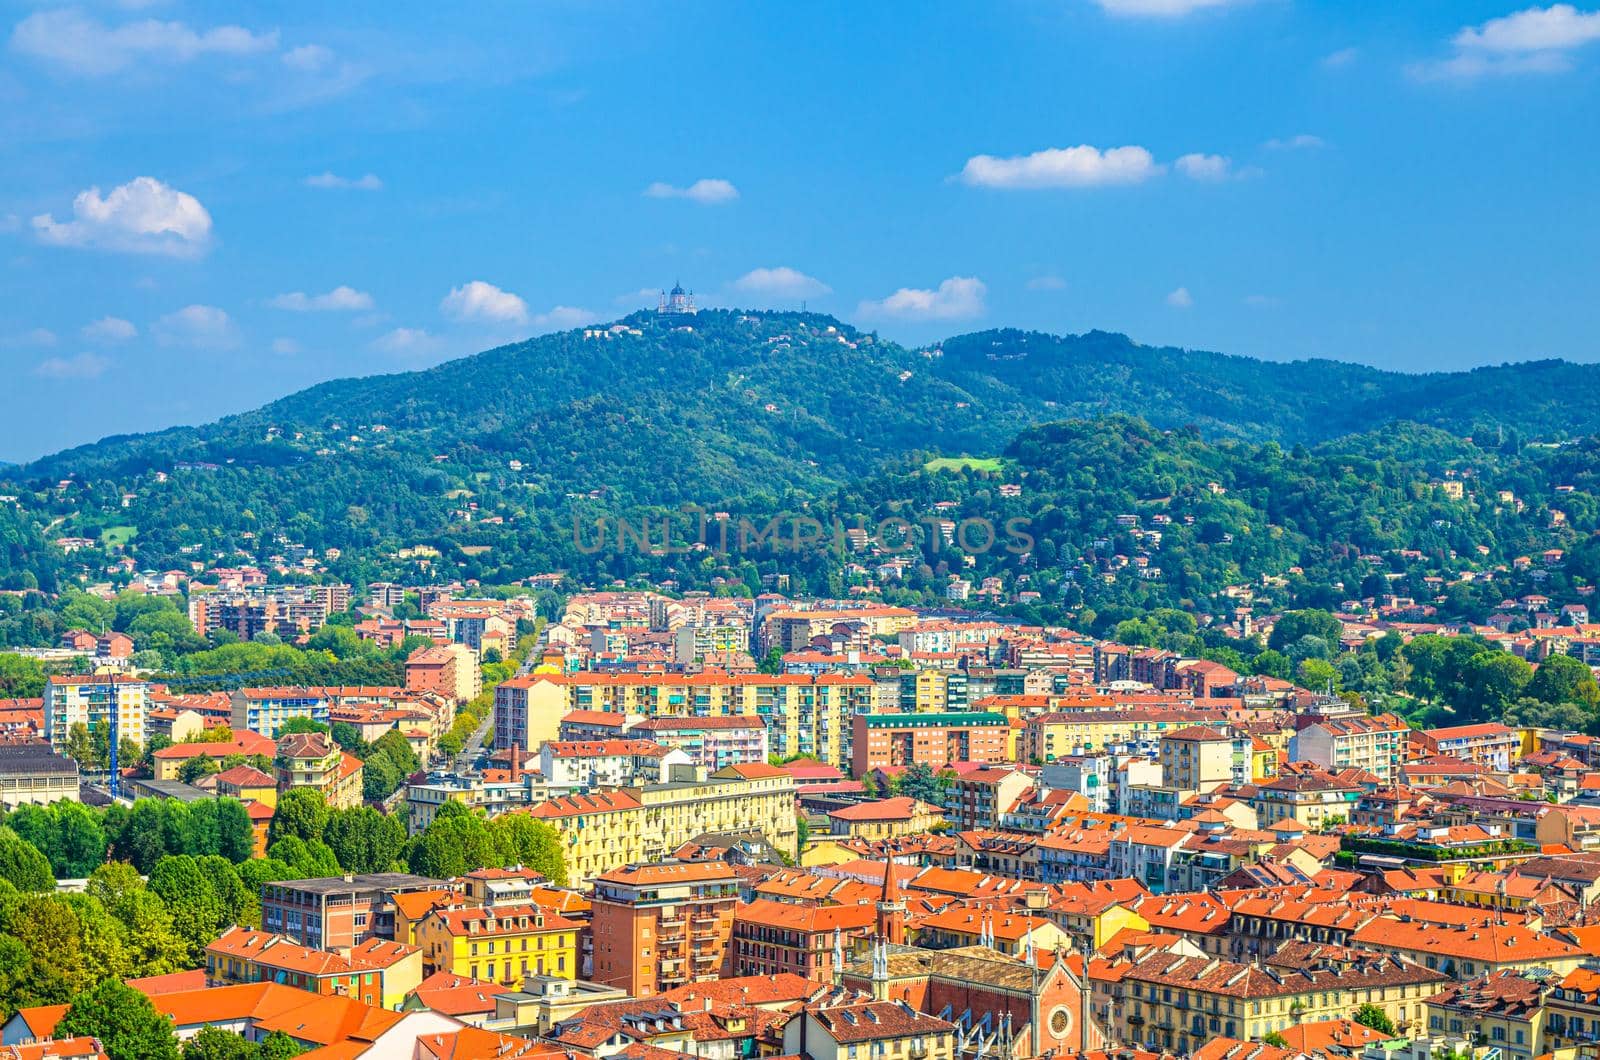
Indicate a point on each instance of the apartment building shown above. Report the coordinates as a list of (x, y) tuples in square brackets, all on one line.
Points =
[(502, 943), (710, 742), (982, 797), (1046, 737), (1357, 741), (337, 912), (661, 926), (606, 763), (896, 740), (447, 670), (168, 762), (313, 760), (1197, 758), (1174, 1003), (1487, 744), (791, 630), (606, 830), (117, 704), (264, 710), (850, 1029), (774, 938), (696, 643), (933, 691), (804, 715), (378, 972), (286, 611)]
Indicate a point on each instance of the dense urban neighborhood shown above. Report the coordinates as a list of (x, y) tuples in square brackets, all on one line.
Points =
[(636, 821)]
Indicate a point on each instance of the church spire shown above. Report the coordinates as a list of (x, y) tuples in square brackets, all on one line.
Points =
[(891, 907)]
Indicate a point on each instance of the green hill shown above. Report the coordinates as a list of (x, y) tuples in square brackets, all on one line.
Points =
[(747, 412)]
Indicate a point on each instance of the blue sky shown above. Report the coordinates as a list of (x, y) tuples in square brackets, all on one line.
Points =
[(203, 207)]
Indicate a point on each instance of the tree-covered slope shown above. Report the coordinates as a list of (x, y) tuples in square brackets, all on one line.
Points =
[(727, 410)]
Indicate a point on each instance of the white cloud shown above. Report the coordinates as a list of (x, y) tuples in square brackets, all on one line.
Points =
[(781, 282), (368, 182), (339, 299), (561, 317), (1342, 57), (285, 347), (1204, 167), (957, 298), (486, 302), (201, 327), (1047, 282), (406, 341), (1300, 142), (308, 57), (1554, 28), (82, 366), (1062, 167), (34, 337), (1537, 40), (1180, 298), (143, 216), (110, 329), (1163, 8), (647, 295), (706, 191), (75, 42)]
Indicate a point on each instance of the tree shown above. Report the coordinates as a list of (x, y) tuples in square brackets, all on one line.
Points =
[(294, 725), (225, 826), (22, 865), (531, 843), (454, 844), (204, 895), (154, 945), (394, 744), (1317, 675), (1531, 713), (1370, 1015), (364, 840), (1563, 679), (20, 677), (127, 1024), (1271, 663), (348, 737), (51, 938), (1491, 682), (1275, 1039), (302, 813), (306, 861), (67, 832), (279, 1046), (1293, 625), (197, 767), (920, 782), (80, 746), (113, 883), (103, 937), (214, 1043), (140, 837)]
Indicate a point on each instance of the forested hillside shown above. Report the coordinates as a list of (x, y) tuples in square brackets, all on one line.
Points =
[(491, 460)]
